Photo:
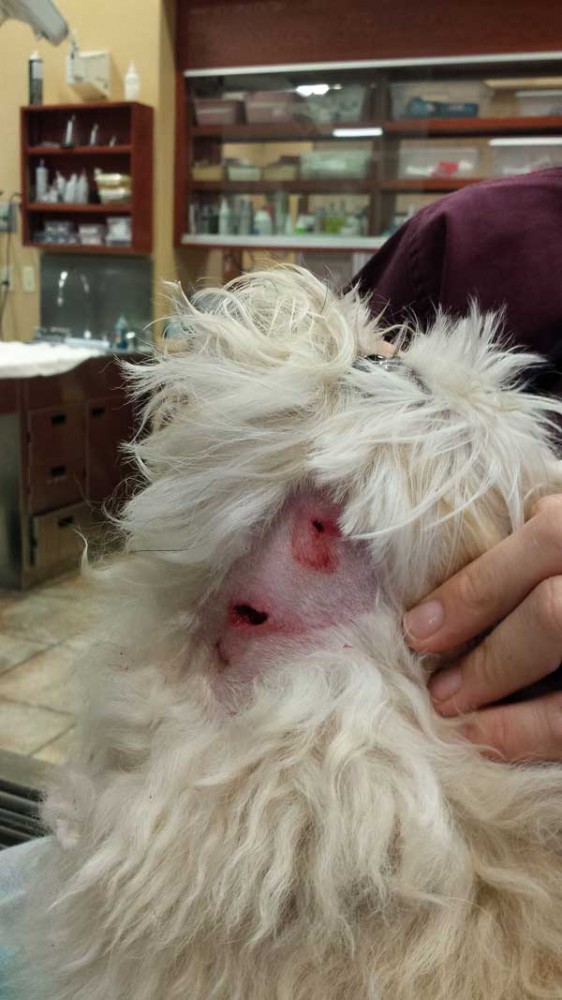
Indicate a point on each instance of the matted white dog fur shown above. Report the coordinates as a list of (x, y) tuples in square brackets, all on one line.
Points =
[(281, 815)]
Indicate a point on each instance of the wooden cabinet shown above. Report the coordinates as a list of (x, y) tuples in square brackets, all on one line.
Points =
[(107, 421), (124, 146), (61, 441), (56, 457)]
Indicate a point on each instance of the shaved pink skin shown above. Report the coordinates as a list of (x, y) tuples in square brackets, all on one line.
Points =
[(301, 579)]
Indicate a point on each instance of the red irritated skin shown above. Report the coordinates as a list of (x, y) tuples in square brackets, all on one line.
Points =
[(299, 580)]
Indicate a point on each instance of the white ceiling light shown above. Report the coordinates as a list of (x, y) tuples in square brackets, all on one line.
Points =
[(538, 140), (312, 89), (356, 133)]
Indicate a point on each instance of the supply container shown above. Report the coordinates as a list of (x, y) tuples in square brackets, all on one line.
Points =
[(112, 187), (109, 196), (271, 106), (344, 163), (347, 103), (286, 168), (35, 79), (41, 182), (438, 99), (215, 111), (433, 160), (91, 234), (55, 231), (242, 171), (539, 102), (511, 159), (118, 230), (207, 171)]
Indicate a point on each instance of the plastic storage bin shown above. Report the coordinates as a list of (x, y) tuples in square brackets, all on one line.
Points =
[(522, 159), (243, 172), (539, 102), (352, 163), (348, 104), (284, 169), (271, 106), (119, 231), (91, 234), (437, 99), (213, 111), (427, 160), (207, 171)]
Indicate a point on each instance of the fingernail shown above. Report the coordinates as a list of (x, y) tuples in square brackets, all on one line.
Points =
[(423, 621), (445, 684)]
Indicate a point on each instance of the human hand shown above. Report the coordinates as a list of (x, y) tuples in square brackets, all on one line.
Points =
[(517, 584)]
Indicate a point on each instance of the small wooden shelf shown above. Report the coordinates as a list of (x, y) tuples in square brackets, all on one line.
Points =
[(473, 126), (431, 185), (296, 242), (80, 248), (302, 131), (348, 185), (121, 150), (61, 208), (130, 124)]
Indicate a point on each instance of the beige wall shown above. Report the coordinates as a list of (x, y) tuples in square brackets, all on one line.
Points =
[(141, 30)]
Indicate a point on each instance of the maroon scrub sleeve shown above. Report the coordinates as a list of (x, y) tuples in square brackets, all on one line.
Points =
[(498, 242)]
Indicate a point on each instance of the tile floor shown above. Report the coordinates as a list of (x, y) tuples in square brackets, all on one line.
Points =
[(41, 634)]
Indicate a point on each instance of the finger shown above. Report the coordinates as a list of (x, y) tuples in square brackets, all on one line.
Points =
[(530, 730), (524, 648), (489, 588), (547, 505)]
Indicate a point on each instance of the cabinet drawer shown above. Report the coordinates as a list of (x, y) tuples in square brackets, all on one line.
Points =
[(109, 424), (56, 472), (54, 536)]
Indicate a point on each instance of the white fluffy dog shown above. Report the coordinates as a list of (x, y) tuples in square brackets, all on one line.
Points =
[(263, 804)]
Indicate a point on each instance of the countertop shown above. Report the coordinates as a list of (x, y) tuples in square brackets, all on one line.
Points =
[(27, 360)]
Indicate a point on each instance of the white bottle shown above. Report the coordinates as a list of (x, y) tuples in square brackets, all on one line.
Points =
[(224, 218), (41, 182), (82, 189), (70, 193), (60, 186), (262, 223), (245, 218), (132, 84)]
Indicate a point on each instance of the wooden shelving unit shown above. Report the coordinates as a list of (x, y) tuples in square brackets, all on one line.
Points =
[(351, 244), (428, 185), (43, 151), (305, 131), (117, 207), (125, 146), (391, 177), (474, 127), (320, 186)]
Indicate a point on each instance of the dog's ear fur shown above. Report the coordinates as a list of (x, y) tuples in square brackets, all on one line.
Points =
[(440, 455)]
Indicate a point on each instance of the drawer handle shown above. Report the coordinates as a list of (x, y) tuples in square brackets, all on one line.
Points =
[(65, 522), (58, 471), (58, 418), (98, 411)]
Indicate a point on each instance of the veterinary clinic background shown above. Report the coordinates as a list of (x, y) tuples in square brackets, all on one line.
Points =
[(397, 171)]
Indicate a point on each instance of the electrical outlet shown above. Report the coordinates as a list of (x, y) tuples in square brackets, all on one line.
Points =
[(7, 278), (28, 278), (8, 218)]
